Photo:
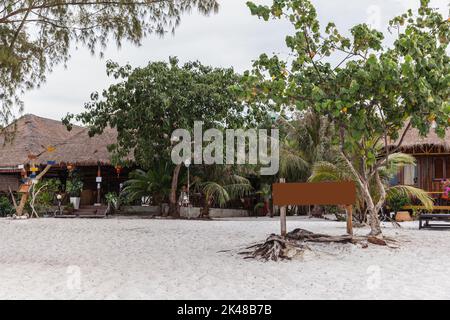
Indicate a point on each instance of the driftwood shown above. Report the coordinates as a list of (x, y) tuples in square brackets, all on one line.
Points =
[(378, 241), (296, 243), (305, 235)]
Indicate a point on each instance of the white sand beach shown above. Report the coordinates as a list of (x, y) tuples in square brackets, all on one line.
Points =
[(178, 259)]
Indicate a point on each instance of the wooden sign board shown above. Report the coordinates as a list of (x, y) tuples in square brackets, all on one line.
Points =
[(322, 193)]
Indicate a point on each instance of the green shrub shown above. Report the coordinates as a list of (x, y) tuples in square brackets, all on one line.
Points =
[(112, 199), (46, 196), (74, 187), (397, 201), (6, 207)]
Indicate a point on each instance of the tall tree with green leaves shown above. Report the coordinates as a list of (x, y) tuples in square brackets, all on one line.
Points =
[(151, 102), (368, 90), (36, 35)]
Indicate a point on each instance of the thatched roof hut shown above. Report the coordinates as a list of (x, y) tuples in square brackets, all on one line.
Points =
[(432, 155), (414, 143), (33, 134)]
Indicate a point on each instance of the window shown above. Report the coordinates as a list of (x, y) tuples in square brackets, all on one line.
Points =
[(409, 173)]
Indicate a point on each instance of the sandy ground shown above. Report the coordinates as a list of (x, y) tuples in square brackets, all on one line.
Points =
[(168, 259)]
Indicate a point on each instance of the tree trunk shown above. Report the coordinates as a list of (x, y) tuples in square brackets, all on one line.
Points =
[(174, 210), (205, 209), (317, 211), (374, 221), (22, 203), (372, 210)]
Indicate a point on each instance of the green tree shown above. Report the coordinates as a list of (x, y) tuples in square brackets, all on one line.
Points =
[(36, 35), (370, 93), (151, 102), (338, 170)]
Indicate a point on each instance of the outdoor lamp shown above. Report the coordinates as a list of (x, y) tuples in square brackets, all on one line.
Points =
[(187, 162), (58, 196)]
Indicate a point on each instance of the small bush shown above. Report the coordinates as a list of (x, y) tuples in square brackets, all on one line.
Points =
[(6, 207), (397, 201), (46, 197)]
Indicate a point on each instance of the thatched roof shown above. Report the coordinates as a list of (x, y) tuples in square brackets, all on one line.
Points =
[(82, 150), (33, 134), (413, 139)]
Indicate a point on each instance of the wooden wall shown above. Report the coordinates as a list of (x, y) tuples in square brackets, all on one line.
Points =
[(9, 180), (431, 170)]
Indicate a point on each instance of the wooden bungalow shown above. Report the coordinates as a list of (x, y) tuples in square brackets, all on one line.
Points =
[(432, 155), (74, 150)]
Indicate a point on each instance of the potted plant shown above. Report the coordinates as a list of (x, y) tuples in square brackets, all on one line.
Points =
[(74, 188), (113, 201)]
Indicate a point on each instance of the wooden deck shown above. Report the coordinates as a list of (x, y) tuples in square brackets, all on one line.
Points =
[(90, 212), (435, 208)]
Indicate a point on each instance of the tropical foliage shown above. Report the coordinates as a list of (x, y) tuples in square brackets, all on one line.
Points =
[(265, 193), (6, 207), (369, 94), (74, 186), (153, 184), (151, 102), (43, 194), (219, 185), (340, 171), (36, 35)]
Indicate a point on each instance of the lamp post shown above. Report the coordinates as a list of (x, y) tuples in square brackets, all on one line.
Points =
[(187, 163), (59, 198), (98, 180)]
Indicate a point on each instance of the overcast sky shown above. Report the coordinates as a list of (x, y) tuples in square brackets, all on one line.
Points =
[(232, 37)]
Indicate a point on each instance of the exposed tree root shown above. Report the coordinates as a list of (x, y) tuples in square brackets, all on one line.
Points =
[(295, 243), (305, 235)]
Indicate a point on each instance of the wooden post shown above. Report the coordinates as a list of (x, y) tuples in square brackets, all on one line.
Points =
[(283, 215), (99, 175), (23, 200), (350, 219)]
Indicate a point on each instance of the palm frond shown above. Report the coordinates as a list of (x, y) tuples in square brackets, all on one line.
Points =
[(327, 171), (155, 181), (216, 192), (396, 161), (412, 193), (324, 171), (230, 187)]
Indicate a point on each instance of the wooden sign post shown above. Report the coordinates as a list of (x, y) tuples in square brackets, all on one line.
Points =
[(283, 216), (322, 193)]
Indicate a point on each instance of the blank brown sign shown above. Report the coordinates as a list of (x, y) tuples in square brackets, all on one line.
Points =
[(322, 193)]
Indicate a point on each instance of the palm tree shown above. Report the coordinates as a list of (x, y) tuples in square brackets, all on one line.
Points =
[(222, 186), (305, 141), (265, 192), (155, 184)]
